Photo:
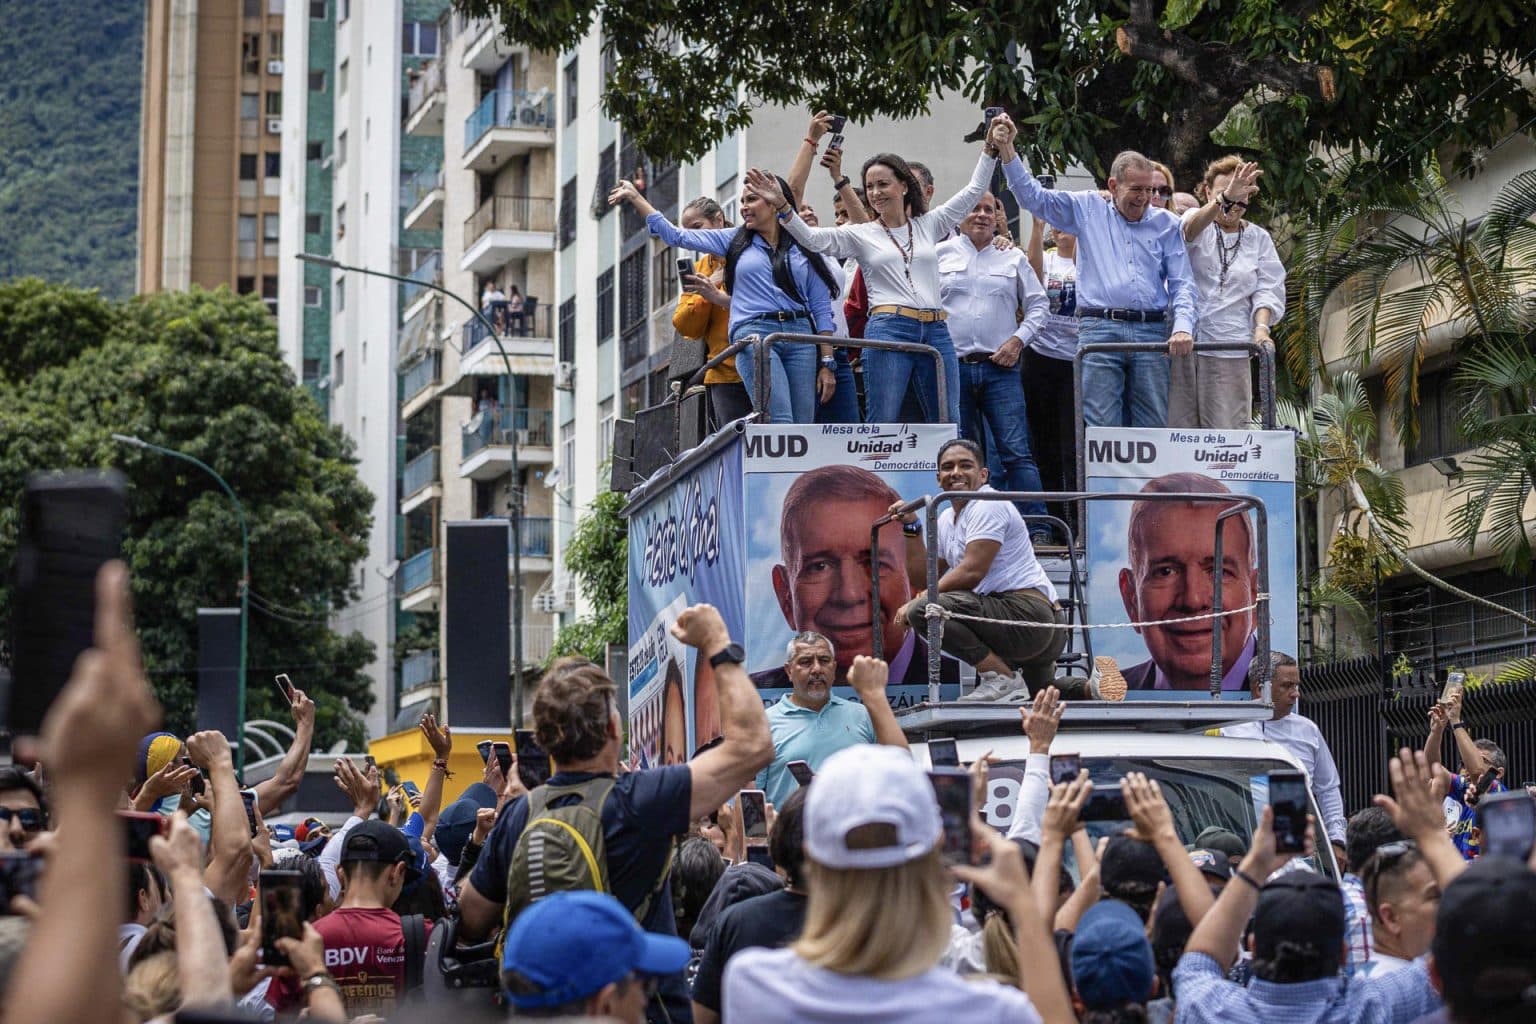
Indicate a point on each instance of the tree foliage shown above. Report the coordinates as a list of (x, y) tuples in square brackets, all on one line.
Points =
[(199, 372), (598, 555), (1399, 78)]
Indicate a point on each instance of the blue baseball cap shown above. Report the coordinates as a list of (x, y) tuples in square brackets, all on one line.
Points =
[(572, 944), (1111, 958), (457, 822)]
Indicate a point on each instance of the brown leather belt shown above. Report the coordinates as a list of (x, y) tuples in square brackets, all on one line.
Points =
[(925, 316)]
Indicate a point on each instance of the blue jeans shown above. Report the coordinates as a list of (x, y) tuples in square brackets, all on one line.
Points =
[(993, 396), (792, 386), (1124, 389), (886, 374), (844, 405)]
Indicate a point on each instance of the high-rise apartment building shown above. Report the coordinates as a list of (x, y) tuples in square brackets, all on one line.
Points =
[(210, 169)]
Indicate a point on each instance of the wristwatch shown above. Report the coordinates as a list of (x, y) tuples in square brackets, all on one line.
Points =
[(1458, 725), (828, 363), (840, 184), (913, 529), (320, 979), (731, 652)]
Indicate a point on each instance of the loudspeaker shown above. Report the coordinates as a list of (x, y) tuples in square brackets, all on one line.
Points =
[(693, 418), (621, 468), (655, 438), (477, 612), (218, 671)]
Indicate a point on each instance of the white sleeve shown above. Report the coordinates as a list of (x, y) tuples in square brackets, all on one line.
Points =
[(331, 856), (1035, 303), (1325, 787), (1034, 792), (842, 242), (1270, 293), (963, 202)]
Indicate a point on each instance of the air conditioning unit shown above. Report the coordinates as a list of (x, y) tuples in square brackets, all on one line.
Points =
[(274, 126), (274, 67), (565, 376)]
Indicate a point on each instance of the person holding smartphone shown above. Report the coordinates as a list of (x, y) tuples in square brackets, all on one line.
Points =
[(1483, 765), (704, 314), (776, 287)]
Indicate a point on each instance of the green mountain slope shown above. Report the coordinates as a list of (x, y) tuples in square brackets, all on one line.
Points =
[(69, 141)]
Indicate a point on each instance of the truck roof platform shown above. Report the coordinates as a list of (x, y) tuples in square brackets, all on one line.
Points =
[(951, 718)]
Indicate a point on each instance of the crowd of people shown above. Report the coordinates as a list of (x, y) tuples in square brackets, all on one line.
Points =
[(608, 892), (1186, 275)]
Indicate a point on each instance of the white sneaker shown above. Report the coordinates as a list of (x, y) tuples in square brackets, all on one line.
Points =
[(995, 687)]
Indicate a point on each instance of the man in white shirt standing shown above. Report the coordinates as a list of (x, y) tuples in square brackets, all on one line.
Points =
[(987, 569), (1301, 736), (983, 291)]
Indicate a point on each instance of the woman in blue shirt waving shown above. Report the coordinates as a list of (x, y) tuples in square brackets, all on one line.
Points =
[(775, 287)]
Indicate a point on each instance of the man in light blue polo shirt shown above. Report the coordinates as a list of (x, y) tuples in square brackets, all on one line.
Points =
[(810, 724)]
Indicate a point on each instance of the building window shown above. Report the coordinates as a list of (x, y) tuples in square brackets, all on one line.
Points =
[(311, 368), (343, 9), (341, 221), (632, 307), (341, 294), (250, 106), (274, 46), (250, 53), (605, 306), (251, 8), (1440, 408), (568, 451), (269, 229), (605, 430), (568, 213), (419, 39), (341, 72), (274, 165), (245, 285), (317, 9), (275, 104), (269, 294), (568, 331), (246, 237), (276, 6), (339, 374), (313, 224), (572, 93), (341, 149), (607, 177), (314, 151), (663, 278), (317, 81), (610, 63), (247, 166), (312, 300)]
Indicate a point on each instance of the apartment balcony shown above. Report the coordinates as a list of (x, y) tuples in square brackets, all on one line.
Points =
[(538, 641), (420, 669), (538, 543), (421, 334), (428, 272), (420, 481), (487, 50), (419, 587), (505, 228), (488, 440), (528, 338), (422, 198), (417, 380), (508, 124), (426, 102)]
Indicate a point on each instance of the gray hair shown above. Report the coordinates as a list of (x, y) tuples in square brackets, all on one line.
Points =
[(1277, 660), (806, 638), (1128, 160)]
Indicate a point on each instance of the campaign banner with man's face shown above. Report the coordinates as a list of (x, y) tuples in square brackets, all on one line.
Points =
[(814, 493), (685, 548), (1152, 561)]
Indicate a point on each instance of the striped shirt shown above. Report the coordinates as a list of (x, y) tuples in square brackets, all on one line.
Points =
[(1205, 996)]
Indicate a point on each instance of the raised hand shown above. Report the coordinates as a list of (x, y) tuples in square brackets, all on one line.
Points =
[(821, 123), (624, 192), (438, 738), (1065, 807), (765, 186), (1244, 183), (1413, 806), (868, 676), (832, 160), (1041, 720), (1148, 810), (303, 708), (701, 627)]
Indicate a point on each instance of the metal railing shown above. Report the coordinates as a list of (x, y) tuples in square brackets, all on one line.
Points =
[(510, 213), (428, 271), (538, 641), (418, 571), (1238, 504), (537, 533), (419, 669), (420, 185), (528, 427), (424, 86), (420, 473), (518, 108), (421, 375), (533, 321)]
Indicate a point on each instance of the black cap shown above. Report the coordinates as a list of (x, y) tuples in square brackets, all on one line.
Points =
[(1485, 938), (1223, 839), (1130, 869), (1213, 863), (377, 841), (1303, 908)]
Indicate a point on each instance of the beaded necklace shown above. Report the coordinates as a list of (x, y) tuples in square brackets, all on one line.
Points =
[(1227, 256), (906, 254)]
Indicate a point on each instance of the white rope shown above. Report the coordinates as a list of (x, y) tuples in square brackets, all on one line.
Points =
[(936, 611)]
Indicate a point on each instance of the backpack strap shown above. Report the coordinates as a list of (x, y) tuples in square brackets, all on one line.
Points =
[(415, 930)]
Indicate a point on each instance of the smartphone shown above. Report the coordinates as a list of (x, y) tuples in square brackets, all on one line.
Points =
[(1047, 181), (369, 763), (19, 874), (248, 797), (754, 815), (1453, 682), (198, 785), (503, 753), (484, 747), (1065, 768), (801, 770), (760, 855), (684, 268), (1105, 805), (286, 686), (942, 753), (282, 913), (837, 123), (836, 142), (411, 789), (952, 789), (1288, 801), (532, 761), (141, 827), (71, 523), (1508, 821)]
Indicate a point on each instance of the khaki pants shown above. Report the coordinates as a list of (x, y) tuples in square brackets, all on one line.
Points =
[(1209, 391), (1032, 651)]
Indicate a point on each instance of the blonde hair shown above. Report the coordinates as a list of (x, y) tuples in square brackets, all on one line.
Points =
[(999, 950), (1167, 175), (152, 988), (883, 923)]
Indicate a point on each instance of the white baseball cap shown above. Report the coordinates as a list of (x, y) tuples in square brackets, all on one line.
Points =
[(870, 785)]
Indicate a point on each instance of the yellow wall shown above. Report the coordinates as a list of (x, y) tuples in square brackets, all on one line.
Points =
[(409, 755)]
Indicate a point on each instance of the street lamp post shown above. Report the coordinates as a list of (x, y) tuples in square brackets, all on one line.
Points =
[(515, 518), (245, 572)]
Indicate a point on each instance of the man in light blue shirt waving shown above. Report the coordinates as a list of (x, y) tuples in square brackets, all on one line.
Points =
[(1133, 283), (810, 724)]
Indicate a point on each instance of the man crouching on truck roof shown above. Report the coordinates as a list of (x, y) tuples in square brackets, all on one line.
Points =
[(988, 570), (1170, 546)]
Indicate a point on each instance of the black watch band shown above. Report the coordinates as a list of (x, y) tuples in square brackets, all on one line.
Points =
[(840, 183), (913, 529), (1458, 725), (732, 653)]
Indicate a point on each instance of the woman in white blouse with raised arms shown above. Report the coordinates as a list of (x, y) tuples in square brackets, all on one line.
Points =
[(1242, 292), (898, 254)]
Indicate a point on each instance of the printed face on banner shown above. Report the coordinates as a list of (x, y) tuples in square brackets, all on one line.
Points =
[(815, 493), (1153, 561)]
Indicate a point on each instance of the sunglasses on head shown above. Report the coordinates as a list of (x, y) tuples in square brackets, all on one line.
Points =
[(30, 817), (1381, 861)]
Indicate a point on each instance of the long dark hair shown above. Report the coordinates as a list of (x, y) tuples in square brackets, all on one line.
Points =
[(915, 202), (779, 256)]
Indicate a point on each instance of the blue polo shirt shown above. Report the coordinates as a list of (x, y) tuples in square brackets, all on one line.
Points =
[(800, 734)]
